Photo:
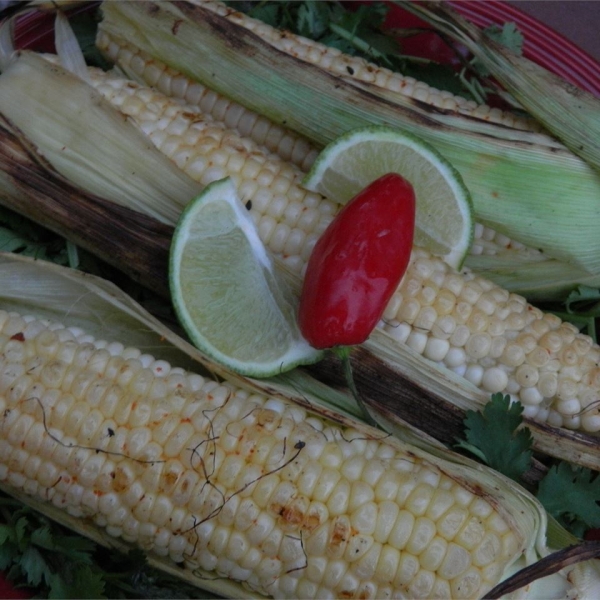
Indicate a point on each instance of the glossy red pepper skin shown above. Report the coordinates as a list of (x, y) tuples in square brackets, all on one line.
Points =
[(357, 264)]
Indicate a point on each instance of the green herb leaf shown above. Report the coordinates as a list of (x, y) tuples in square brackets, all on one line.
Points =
[(43, 537), (493, 437), (6, 534), (571, 494), (19, 235), (588, 299), (7, 553), (21, 533), (34, 566), (80, 581), (313, 18), (268, 13), (508, 35)]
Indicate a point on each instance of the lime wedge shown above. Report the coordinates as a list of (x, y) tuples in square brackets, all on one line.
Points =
[(444, 221), (226, 290)]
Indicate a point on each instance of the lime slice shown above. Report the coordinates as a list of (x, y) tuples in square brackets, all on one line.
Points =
[(226, 291), (444, 222)]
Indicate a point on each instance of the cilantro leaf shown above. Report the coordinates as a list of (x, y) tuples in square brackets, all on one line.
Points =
[(586, 295), (43, 537), (34, 566), (7, 552), (508, 35), (581, 307), (268, 13), (20, 235), (79, 581), (493, 437), (6, 534), (21, 530), (571, 494), (312, 19)]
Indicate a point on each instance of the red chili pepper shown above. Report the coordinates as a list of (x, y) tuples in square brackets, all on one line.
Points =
[(357, 264)]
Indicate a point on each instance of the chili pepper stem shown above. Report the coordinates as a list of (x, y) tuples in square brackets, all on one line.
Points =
[(343, 353)]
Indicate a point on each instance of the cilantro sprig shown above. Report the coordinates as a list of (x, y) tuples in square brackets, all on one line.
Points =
[(55, 563), (494, 437), (497, 437), (475, 75), (572, 495), (582, 308)]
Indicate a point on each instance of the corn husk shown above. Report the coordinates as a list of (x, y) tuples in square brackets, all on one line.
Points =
[(432, 398), (100, 308), (570, 113), (526, 185), (543, 280), (87, 142), (128, 240)]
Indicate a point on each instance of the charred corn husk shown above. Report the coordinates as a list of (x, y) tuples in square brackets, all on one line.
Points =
[(360, 70), (492, 338), (518, 180), (225, 477), (572, 114)]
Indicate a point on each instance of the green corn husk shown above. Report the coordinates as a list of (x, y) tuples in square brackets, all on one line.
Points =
[(526, 185), (544, 280), (60, 294), (570, 113), (433, 399)]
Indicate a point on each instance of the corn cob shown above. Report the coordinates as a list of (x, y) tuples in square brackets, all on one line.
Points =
[(208, 149), (359, 69), (140, 66), (493, 338), (250, 487), (143, 68)]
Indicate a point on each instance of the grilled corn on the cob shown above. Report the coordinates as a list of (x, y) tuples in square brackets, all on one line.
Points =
[(234, 482)]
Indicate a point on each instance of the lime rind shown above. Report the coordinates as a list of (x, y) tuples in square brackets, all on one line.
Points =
[(356, 164), (226, 290)]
